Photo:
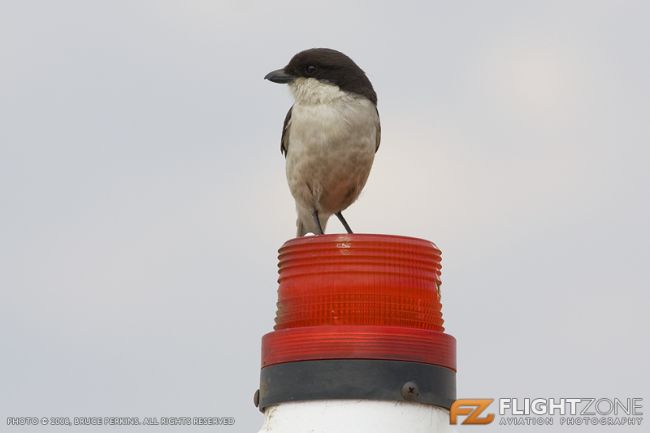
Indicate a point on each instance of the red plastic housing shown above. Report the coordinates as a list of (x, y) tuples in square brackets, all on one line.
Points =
[(359, 296)]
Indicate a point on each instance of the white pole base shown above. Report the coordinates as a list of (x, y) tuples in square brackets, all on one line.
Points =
[(355, 416)]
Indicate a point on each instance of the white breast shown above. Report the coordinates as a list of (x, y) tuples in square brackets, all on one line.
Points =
[(332, 143)]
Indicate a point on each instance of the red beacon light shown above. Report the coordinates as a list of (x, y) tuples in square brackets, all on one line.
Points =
[(358, 317)]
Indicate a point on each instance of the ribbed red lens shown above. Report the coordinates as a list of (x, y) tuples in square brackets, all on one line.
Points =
[(359, 296)]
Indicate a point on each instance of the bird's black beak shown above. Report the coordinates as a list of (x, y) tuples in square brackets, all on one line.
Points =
[(279, 76)]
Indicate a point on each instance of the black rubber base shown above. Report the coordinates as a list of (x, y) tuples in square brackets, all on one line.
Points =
[(357, 379)]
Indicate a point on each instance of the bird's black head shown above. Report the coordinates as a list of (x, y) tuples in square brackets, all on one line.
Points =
[(329, 66)]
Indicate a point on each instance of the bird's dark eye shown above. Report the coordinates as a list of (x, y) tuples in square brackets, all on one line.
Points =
[(310, 69)]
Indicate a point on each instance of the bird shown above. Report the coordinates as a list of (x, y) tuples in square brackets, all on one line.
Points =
[(330, 135)]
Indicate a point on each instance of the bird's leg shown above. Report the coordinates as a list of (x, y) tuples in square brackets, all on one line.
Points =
[(339, 215), (320, 227)]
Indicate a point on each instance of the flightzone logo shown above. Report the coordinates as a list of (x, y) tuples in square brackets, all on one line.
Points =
[(549, 411)]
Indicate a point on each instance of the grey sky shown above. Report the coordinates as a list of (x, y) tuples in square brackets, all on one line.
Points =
[(143, 198)]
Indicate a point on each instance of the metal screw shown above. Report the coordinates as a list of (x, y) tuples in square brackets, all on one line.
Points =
[(410, 391), (256, 398)]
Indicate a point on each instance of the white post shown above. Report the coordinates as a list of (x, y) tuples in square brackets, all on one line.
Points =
[(355, 416)]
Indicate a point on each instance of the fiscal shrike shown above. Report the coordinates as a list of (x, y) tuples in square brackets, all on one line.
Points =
[(330, 134)]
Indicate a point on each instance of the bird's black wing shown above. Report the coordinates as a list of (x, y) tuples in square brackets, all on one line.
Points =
[(284, 143), (378, 133)]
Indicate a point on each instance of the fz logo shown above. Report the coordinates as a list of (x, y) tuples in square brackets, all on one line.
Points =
[(472, 409)]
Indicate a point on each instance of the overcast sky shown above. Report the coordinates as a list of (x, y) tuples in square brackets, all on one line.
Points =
[(143, 195)]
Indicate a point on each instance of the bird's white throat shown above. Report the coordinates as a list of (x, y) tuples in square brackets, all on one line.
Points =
[(312, 91)]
